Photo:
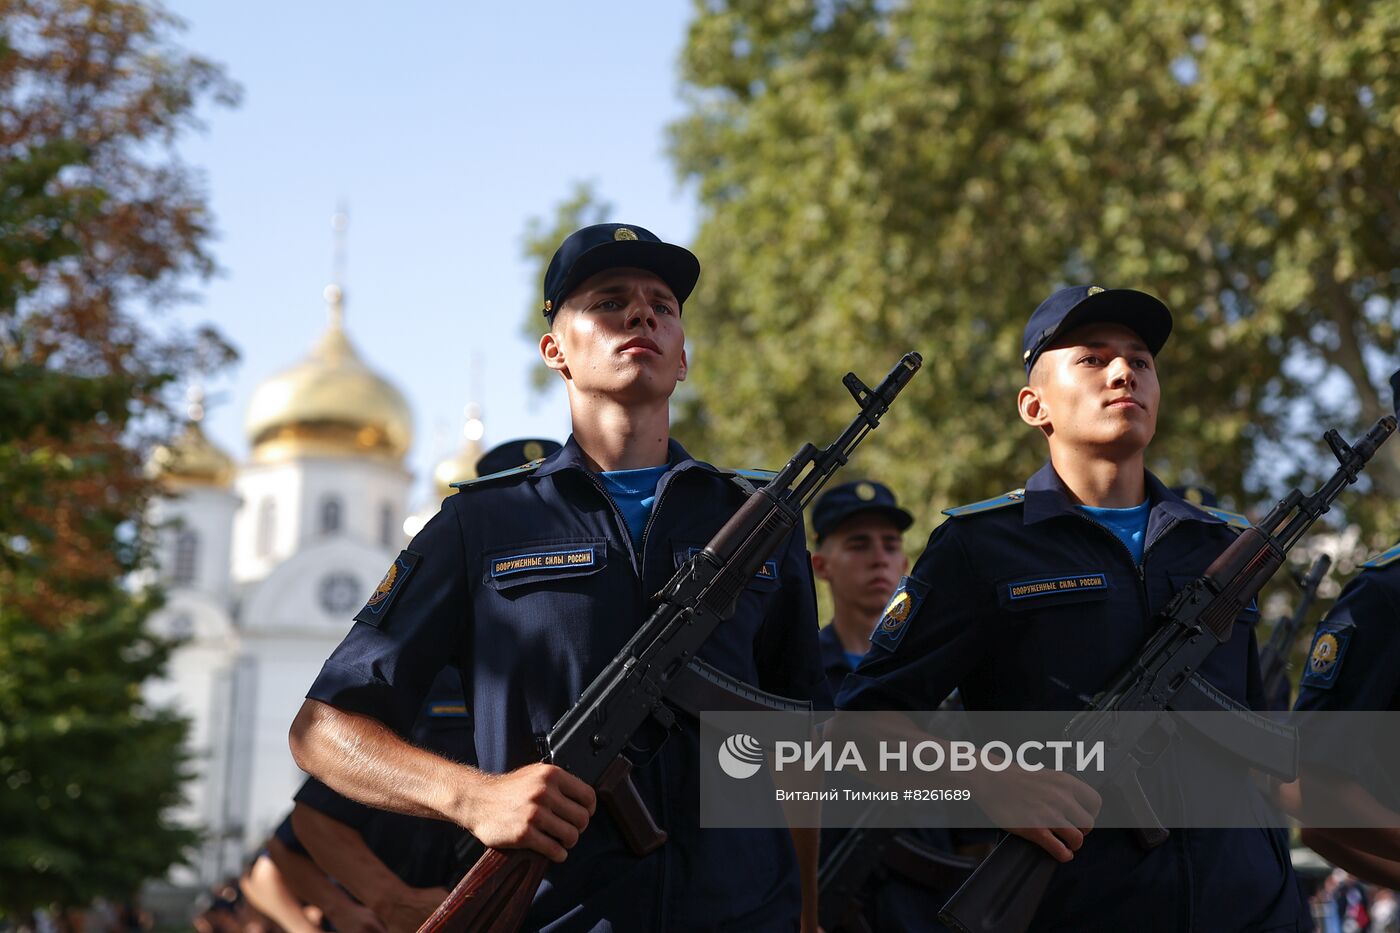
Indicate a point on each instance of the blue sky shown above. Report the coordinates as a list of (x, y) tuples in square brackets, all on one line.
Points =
[(444, 127)]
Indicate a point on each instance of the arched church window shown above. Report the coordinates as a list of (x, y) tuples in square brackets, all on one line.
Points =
[(330, 515), (186, 557), (386, 524), (267, 527)]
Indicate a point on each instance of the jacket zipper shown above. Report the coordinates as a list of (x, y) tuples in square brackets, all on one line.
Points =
[(664, 855)]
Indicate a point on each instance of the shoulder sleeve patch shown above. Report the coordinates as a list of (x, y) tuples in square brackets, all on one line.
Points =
[(1383, 559), (377, 609), (1233, 519), (530, 467), (894, 621), (1329, 649), (987, 505)]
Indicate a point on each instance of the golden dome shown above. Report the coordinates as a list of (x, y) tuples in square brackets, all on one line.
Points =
[(330, 403), (191, 460), (462, 464)]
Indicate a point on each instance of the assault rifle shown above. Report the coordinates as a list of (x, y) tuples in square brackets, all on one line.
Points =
[(867, 853), (657, 671), (1005, 891), (1273, 660)]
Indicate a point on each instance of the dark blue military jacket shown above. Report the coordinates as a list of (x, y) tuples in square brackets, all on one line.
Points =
[(1354, 664), (894, 905), (989, 616), (421, 852), (528, 583)]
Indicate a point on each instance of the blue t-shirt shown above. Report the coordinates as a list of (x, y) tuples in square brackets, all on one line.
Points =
[(1128, 525), (853, 659), (634, 491)]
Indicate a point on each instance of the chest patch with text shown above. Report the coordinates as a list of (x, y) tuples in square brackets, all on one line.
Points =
[(544, 561), (1050, 587), (769, 570)]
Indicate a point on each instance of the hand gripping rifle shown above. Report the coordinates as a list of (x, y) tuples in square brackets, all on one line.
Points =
[(1005, 891), (657, 671), (1273, 660)]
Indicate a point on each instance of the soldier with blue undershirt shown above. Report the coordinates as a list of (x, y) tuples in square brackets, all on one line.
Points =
[(859, 529), (1354, 664), (528, 582), (1036, 599)]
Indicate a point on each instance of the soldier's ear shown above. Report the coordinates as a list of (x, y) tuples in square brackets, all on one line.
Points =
[(552, 352), (1032, 407), (819, 568), (685, 367)]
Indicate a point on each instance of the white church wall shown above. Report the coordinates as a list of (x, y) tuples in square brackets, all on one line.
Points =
[(291, 622), (207, 513)]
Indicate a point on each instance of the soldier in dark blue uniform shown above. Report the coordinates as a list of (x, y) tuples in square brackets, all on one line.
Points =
[(1354, 664), (400, 866), (859, 529), (1035, 599), (529, 582)]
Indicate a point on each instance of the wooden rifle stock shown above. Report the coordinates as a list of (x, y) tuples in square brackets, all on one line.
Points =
[(494, 895)]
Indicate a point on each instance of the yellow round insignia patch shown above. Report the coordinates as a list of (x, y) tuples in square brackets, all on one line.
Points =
[(865, 492), (1193, 496), (896, 613), (532, 450), (1093, 290), (385, 585), (1324, 654), (549, 306), (624, 233)]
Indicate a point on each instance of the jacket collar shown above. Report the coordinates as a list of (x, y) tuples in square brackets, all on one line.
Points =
[(1047, 497), (571, 457)]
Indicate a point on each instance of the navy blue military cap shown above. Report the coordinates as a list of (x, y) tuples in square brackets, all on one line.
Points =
[(841, 502), (586, 252), (1086, 304), (514, 453)]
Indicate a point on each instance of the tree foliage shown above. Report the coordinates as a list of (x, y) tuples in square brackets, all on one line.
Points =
[(99, 224), (583, 208), (879, 176)]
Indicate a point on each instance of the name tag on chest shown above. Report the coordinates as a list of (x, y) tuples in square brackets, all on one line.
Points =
[(545, 561), (1055, 587)]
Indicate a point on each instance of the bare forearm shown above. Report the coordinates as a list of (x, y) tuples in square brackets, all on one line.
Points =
[(343, 854), (1337, 847), (537, 806), (1377, 827), (362, 759), (266, 890)]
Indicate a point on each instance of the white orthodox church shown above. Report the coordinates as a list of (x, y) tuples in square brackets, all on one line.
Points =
[(264, 565)]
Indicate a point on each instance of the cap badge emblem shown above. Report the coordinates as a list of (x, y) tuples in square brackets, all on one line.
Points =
[(532, 450), (624, 233), (865, 492), (1093, 290)]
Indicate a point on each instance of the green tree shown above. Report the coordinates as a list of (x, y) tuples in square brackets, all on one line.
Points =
[(582, 209), (99, 224), (882, 176)]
